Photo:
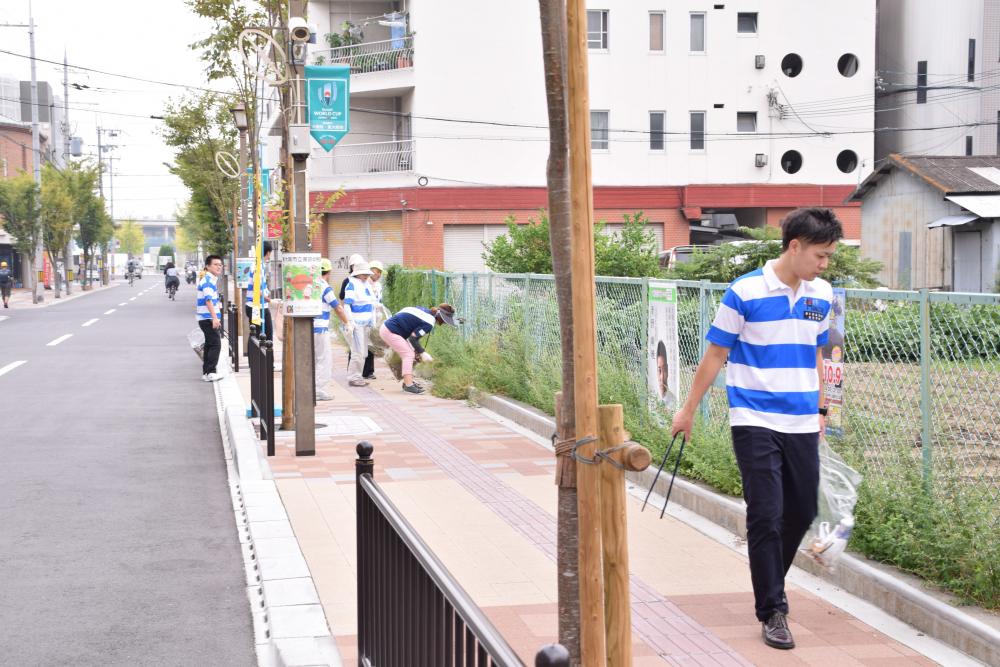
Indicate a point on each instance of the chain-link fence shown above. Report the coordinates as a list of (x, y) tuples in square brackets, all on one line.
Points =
[(922, 369)]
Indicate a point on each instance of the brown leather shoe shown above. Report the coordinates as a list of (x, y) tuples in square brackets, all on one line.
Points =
[(776, 633)]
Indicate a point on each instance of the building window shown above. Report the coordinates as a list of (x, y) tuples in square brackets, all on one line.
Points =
[(847, 65), (791, 162), (972, 60), (597, 29), (791, 65), (746, 23), (746, 121), (656, 31), (599, 130), (657, 120), (847, 161), (697, 130), (697, 32), (922, 82), (968, 145)]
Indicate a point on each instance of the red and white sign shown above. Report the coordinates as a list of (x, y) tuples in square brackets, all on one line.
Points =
[(273, 230)]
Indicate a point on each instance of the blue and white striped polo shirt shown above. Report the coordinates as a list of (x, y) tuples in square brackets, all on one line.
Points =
[(264, 291), (359, 297), (321, 323), (207, 291), (773, 336)]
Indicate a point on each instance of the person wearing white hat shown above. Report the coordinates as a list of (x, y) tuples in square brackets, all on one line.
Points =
[(321, 332), (360, 302)]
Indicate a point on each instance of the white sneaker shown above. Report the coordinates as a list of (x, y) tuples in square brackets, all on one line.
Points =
[(323, 396), (204, 378), (213, 377)]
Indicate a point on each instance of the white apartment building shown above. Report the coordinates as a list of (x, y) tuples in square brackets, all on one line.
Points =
[(704, 115), (938, 69)]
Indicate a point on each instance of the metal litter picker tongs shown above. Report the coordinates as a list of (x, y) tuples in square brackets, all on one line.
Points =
[(677, 464)]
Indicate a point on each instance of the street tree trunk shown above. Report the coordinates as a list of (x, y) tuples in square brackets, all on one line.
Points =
[(67, 258), (56, 278), (553, 23)]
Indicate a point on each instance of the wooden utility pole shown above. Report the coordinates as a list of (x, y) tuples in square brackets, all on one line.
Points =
[(592, 639)]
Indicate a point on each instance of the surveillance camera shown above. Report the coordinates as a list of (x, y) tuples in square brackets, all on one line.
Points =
[(298, 29)]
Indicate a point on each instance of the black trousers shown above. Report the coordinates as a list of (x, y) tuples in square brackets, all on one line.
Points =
[(213, 344), (266, 312), (780, 474)]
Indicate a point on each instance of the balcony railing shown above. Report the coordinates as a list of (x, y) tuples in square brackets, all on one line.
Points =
[(378, 157), (387, 54)]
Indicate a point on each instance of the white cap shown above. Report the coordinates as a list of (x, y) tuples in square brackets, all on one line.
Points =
[(361, 269), (375, 264), (355, 259)]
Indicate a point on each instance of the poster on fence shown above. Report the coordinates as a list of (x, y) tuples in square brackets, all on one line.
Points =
[(663, 364), (244, 267), (833, 366), (300, 280)]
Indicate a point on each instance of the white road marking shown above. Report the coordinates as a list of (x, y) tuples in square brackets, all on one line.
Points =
[(2, 318), (11, 366), (132, 299), (89, 322), (59, 340), (108, 312), (122, 303)]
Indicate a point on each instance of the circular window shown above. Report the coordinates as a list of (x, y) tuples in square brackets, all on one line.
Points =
[(791, 161), (791, 65), (847, 161), (848, 64)]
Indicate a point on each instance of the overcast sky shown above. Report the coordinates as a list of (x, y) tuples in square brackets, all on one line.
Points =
[(147, 39)]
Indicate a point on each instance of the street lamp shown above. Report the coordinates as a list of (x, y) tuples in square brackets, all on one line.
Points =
[(240, 239), (240, 116)]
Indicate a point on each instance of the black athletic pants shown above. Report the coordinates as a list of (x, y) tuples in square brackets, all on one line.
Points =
[(780, 474), (213, 344), (267, 318)]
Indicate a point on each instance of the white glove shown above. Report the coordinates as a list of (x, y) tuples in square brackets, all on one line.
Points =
[(426, 357), (349, 328)]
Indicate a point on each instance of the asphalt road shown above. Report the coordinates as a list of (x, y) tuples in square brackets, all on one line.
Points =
[(118, 544)]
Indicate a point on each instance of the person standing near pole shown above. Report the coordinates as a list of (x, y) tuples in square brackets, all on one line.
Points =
[(772, 326), (209, 317), (265, 293), (360, 300), (321, 331)]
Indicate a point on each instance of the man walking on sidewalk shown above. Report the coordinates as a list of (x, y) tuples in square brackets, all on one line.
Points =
[(321, 331), (360, 302), (209, 317), (772, 326), (6, 283)]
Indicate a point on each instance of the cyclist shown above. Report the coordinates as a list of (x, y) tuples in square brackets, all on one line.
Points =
[(171, 278)]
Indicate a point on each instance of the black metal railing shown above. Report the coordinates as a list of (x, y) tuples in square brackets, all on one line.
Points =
[(411, 611), (232, 335), (261, 360)]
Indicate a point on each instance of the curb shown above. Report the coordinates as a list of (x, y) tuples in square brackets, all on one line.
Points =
[(894, 596), (290, 627)]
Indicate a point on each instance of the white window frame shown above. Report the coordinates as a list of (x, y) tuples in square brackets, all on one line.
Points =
[(756, 25), (754, 114), (704, 32), (663, 31), (704, 130), (604, 34), (607, 139), (663, 132)]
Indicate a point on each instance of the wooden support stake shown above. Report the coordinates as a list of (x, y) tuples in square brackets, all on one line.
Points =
[(614, 529)]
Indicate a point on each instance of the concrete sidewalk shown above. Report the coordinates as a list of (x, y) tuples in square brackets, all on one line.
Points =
[(480, 492), (22, 298)]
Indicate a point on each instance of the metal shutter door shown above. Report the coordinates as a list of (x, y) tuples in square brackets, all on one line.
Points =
[(347, 234), (385, 237), (463, 246), (654, 227)]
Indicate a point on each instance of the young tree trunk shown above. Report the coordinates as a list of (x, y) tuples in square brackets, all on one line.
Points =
[(56, 278), (67, 258), (553, 23)]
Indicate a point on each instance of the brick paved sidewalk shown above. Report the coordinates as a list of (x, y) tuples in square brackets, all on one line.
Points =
[(481, 495)]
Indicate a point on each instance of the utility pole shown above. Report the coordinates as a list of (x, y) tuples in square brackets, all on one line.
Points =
[(101, 147), (36, 161), (302, 338), (67, 251)]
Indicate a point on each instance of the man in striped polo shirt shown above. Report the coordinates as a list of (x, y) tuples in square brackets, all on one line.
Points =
[(772, 325), (321, 331), (265, 293), (209, 316)]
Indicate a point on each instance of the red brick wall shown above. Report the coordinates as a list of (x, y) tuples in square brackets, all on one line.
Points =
[(15, 149), (423, 244)]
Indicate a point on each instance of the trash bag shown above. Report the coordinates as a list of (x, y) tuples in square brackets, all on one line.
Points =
[(196, 338), (838, 493), (375, 343)]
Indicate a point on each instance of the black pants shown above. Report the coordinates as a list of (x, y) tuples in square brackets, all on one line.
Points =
[(266, 312), (369, 369), (780, 474), (213, 344)]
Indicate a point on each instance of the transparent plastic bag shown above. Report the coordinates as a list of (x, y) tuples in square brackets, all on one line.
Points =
[(375, 343), (838, 493), (196, 338)]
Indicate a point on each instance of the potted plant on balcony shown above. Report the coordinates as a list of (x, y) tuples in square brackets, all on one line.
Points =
[(405, 56), (349, 35)]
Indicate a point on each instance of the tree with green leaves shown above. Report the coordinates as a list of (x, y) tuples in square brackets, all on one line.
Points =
[(20, 209), (57, 218), (131, 238), (527, 248), (94, 232)]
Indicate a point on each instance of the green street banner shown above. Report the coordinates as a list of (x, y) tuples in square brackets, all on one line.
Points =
[(328, 97)]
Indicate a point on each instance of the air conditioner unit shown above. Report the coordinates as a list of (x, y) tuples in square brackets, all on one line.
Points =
[(760, 160), (758, 62)]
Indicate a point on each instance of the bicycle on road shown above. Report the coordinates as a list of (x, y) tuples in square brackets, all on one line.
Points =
[(131, 277), (172, 291)]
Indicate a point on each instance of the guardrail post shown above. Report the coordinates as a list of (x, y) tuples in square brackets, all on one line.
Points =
[(267, 378), (253, 357), (363, 465), (925, 385)]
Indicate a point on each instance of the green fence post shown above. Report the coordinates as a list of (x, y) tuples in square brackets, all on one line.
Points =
[(465, 305), (644, 349), (925, 384), (434, 284), (474, 302), (704, 322)]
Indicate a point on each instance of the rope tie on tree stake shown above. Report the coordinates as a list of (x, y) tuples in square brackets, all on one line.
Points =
[(569, 446)]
